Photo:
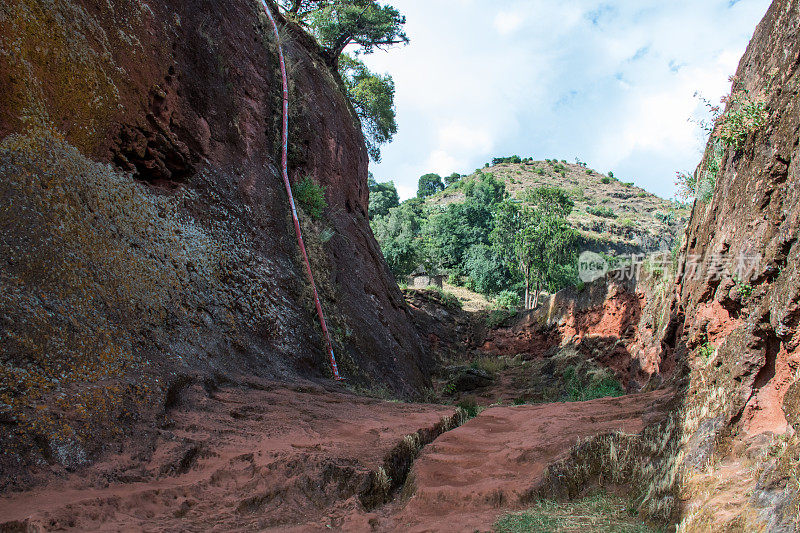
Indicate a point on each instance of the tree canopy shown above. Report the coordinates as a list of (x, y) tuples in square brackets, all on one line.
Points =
[(452, 179), (534, 238), (429, 184), (339, 23), (382, 198), (398, 234), (487, 242), (372, 96)]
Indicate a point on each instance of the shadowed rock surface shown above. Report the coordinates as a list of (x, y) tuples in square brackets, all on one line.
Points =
[(145, 234)]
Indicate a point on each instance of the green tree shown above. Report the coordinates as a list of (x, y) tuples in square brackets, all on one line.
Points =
[(486, 269), (372, 96), (382, 198), (339, 23), (449, 234), (429, 184), (452, 179), (536, 240), (486, 189), (300, 10), (553, 199), (398, 235)]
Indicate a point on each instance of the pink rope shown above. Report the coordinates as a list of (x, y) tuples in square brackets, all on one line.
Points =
[(285, 171)]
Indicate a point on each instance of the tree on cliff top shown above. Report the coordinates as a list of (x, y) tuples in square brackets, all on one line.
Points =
[(372, 96), (339, 23), (366, 23)]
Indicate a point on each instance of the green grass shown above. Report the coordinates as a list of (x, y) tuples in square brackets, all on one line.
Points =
[(497, 316), (310, 197), (448, 298), (601, 513), (598, 384)]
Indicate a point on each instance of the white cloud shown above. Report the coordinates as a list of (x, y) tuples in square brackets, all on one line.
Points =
[(441, 162), (461, 137), (456, 143), (609, 81), (507, 22)]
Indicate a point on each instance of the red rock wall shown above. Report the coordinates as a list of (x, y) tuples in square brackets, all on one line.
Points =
[(144, 229), (755, 211), (619, 322), (738, 338)]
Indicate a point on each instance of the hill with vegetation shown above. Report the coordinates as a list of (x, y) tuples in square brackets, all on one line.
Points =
[(517, 225), (613, 217)]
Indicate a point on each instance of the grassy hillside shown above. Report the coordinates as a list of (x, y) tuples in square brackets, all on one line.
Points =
[(613, 217)]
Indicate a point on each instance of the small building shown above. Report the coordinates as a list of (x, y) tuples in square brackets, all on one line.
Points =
[(421, 278)]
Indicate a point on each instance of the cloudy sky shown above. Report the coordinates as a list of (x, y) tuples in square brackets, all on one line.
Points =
[(610, 82)]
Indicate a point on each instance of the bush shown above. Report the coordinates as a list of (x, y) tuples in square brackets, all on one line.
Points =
[(605, 212), (310, 196), (507, 300), (744, 116), (511, 159), (470, 407), (497, 317), (665, 218), (626, 223), (577, 194), (606, 180)]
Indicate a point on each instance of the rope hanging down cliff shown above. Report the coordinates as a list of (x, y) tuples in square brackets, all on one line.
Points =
[(285, 172)]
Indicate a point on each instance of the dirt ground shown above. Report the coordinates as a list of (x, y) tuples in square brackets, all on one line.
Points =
[(311, 457)]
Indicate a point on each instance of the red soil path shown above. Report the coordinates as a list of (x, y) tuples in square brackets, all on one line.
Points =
[(297, 458), (473, 474)]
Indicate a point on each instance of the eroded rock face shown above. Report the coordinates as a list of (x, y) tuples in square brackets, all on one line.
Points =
[(755, 211), (145, 235), (617, 323), (739, 339)]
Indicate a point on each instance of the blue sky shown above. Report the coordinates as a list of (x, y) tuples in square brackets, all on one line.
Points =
[(610, 82)]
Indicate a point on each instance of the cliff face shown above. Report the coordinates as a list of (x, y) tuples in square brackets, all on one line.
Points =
[(620, 323), (740, 334), (144, 231)]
